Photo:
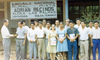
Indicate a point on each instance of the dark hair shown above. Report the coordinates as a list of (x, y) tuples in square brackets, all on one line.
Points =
[(96, 22), (40, 22), (57, 20), (23, 20), (77, 19), (84, 22), (48, 22), (36, 20), (33, 23), (5, 20), (51, 27), (61, 22), (71, 21), (90, 21)]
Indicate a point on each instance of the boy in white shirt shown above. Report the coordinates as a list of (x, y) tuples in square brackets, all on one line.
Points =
[(32, 38), (95, 40), (41, 41), (83, 37)]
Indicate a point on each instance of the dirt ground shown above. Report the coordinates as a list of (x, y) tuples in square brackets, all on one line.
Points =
[(13, 56)]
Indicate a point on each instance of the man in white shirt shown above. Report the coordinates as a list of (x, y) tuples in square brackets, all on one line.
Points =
[(6, 39), (95, 40), (67, 24), (44, 24), (26, 42), (83, 37), (36, 27), (57, 25), (46, 41), (36, 24), (20, 41), (41, 41), (32, 38), (78, 23), (90, 30)]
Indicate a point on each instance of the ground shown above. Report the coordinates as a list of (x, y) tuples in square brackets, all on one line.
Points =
[(13, 56)]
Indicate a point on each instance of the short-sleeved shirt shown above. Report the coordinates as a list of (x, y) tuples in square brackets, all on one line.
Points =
[(47, 32), (83, 33), (40, 33), (31, 34), (95, 33), (76, 26), (90, 29), (27, 28), (72, 31), (66, 27), (21, 32)]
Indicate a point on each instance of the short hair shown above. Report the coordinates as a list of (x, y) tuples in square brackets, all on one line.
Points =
[(5, 20), (57, 20), (40, 22), (48, 22), (23, 20), (77, 19), (96, 22), (36, 20), (33, 23), (44, 20), (61, 22), (90, 21), (71, 21), (84, 22)]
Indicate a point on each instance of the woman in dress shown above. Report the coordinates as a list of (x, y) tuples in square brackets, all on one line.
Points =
[(62, 45), (51, 48)]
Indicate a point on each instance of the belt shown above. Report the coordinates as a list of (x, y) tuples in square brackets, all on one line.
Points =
[(83, 40), (20, 38), (96, 39), (40, 38)]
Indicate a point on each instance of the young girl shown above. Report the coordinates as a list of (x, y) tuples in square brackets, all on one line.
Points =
[(51, 48), (62, 46)]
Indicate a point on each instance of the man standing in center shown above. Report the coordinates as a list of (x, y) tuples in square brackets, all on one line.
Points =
[(41, 41), (83, 37), (72, 34)]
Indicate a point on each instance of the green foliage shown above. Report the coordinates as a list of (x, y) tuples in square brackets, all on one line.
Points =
[(90, 15)]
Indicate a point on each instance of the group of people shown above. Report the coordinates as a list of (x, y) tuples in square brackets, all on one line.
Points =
[(46, 40)]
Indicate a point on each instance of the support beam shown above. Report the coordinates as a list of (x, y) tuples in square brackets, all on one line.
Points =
[(65, 10)]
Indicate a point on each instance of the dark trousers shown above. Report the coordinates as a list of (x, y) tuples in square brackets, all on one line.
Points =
[(90, 48), (78, 49)]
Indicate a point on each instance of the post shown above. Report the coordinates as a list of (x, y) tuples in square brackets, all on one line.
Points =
[(65, 10)]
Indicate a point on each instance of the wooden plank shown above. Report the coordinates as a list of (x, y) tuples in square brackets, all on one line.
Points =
[(5, 7), (64, 18), (2, 9)]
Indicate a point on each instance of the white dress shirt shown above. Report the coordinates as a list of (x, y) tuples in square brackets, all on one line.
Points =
[(83, 33), (5, 32), (21, 32), (90, 29), (27, 28), (31, 34), (66, 27), (40, 33), (95, 33), (76, 26), (47, 32)]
